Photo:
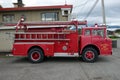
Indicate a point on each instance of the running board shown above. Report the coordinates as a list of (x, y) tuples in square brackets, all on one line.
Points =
[(66, 55)]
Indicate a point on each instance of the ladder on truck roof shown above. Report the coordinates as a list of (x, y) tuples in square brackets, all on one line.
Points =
[(21, 24), (43, 36)]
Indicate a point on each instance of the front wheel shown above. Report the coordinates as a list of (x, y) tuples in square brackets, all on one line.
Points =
[(89, 55), (36, 55)]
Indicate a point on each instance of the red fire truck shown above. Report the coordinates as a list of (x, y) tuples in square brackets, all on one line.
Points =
[(60, 38)]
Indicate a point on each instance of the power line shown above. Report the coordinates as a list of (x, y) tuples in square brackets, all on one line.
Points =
[(83, 4), (94, 5)]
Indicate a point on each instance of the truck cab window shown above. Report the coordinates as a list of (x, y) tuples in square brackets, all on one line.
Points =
[(99, 32), (87, 32), (80, 27)]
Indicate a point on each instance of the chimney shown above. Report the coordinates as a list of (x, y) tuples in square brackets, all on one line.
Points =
[(18, 4)]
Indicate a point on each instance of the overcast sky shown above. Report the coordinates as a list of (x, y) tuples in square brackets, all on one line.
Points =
[(80, 9)]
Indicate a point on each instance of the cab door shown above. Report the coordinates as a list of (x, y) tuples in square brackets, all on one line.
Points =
[(99, 39)]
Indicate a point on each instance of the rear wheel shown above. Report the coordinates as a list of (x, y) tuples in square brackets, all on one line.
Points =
[(89, 55), (36, 55)]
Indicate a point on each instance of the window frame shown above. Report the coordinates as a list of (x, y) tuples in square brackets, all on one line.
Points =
[(54, 17), (86, 34), (10, 16), (98, 32)]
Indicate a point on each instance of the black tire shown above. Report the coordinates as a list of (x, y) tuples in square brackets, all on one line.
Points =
[(89, 55), (36, 55)]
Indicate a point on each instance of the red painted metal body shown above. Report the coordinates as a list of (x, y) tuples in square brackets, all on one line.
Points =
[(103, 43), (62, 39)]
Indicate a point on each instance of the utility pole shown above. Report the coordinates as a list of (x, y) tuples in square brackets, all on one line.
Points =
[(103, 12), (65, 2)]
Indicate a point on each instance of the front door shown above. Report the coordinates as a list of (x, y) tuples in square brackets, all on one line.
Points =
[(98, 38)]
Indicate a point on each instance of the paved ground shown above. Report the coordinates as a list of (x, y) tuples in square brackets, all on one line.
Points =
[(106, 68)]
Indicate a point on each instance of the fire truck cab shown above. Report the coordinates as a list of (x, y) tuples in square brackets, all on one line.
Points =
[(69, 38)]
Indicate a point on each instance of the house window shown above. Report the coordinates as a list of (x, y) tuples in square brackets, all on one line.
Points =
[(66, 12), (53, 16), (8, 17)]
